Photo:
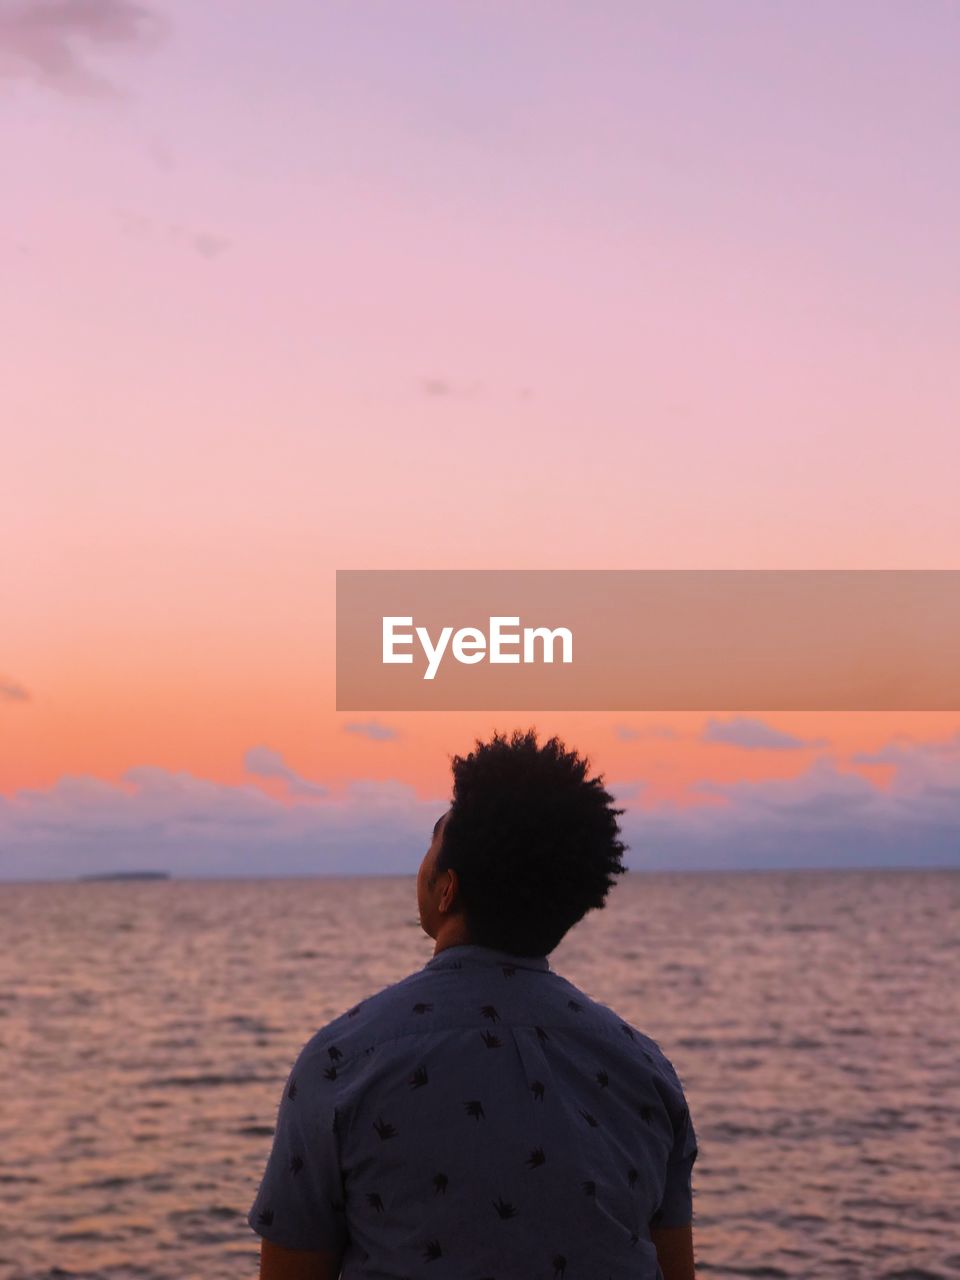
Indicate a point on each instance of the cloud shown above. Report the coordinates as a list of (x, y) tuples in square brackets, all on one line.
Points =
[(161, 155), (441, 388), (371, 729), (264, 762), (160, 819), (902, 749), (663, 732), (50, 40), (755, 735), (826, 816), (888, 754), (12, 691), (445, 389), (435, 387), (208, 244), (918, 764), (816, 796)]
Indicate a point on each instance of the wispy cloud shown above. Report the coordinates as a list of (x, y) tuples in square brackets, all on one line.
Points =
[(264, 762), (440, 388), (444, 388), (12, 691), (208, 244), (916, 760), (903, 750), (161, 154), (50, 41), (755, 735), (371, 729), (435, 387)]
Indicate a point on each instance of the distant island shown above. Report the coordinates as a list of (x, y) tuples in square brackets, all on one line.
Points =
[(126, 875)]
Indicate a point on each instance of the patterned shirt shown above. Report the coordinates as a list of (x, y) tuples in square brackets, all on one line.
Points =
[(483, 1119)]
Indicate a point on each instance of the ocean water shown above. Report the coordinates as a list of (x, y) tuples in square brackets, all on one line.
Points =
[(146, 1030)]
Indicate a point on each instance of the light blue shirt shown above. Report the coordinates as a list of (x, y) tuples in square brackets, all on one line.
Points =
[(483, 1118)]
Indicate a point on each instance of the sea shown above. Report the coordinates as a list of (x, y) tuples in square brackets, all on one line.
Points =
[(147, 1029)]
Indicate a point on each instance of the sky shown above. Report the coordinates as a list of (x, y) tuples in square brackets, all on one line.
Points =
[(294, 288)]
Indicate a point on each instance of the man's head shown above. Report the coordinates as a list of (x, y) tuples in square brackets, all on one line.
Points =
[(527, 847)]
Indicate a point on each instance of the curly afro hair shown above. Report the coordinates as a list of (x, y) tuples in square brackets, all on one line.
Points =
[(533, 840)]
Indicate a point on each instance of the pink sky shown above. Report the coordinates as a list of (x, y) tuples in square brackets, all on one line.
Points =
[(480, 285)]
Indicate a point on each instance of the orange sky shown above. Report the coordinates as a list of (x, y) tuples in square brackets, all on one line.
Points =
[(313, 295)]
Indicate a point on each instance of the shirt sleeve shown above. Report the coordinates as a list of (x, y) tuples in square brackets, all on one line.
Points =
[(300, 1201), (676, 1207)]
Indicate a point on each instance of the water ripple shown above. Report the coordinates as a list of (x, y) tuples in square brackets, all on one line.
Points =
[(813, 1018)]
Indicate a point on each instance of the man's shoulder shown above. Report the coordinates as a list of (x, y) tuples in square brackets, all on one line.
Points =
[(368, 1022), (607, 1021), (443, 1000)]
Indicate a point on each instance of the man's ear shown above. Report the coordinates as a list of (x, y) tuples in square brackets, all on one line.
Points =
[(451, 890)]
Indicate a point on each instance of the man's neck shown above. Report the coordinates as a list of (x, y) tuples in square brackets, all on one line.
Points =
[(452, 933)]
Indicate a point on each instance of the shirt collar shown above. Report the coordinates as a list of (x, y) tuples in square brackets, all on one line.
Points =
[(469, 953)]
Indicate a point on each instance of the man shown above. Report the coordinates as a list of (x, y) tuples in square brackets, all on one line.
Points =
[(483, 1118)]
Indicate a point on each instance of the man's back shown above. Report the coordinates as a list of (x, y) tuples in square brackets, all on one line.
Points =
[(481, 1118)]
